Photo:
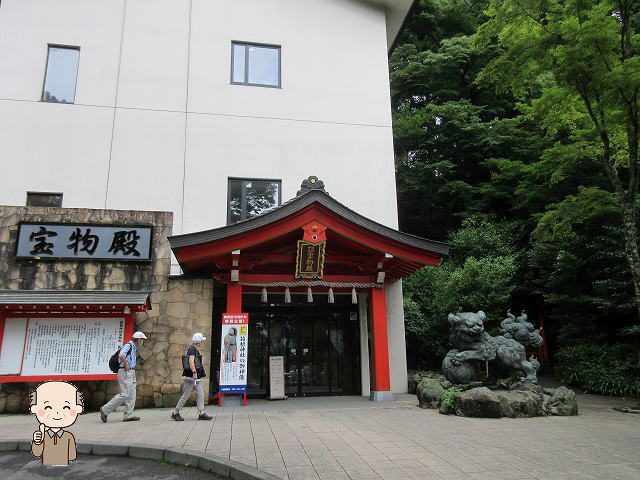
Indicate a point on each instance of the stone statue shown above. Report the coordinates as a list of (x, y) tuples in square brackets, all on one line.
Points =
[(506, 353), (521, 330)]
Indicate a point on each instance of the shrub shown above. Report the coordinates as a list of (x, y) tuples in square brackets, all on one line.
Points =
[(604, 369), (449, 396)]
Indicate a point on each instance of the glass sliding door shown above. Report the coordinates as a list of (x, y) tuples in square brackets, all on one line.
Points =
[(320, 346)]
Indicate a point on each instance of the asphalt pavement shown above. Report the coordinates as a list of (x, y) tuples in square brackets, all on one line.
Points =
[(24, 466)]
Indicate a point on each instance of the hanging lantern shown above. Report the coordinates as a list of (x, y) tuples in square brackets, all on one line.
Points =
[(354, 296), (263, 295), (309, 295), (287, 295), (330, 296)]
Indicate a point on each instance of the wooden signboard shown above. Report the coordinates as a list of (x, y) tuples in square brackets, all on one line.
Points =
[(310, 260), (276, 378)]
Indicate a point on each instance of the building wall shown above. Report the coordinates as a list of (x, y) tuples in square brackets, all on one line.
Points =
[(180, 306), (156, 124)]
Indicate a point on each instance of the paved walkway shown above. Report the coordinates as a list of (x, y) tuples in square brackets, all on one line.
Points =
[(351, 438)]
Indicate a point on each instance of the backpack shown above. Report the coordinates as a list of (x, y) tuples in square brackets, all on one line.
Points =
[(197, 363), (114, 361)]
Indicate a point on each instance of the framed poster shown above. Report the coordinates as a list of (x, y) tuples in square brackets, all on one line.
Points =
[(43, 347), (233, 352)]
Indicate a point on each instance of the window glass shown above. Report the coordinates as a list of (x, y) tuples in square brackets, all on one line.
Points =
[(238, 63), (261, 196), (256, 65), (40, 199), (60, 79), (264, 66), (249, 198), (235, 201)]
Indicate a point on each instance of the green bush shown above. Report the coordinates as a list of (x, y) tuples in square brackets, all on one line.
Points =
[(449, 396), (604, 369)]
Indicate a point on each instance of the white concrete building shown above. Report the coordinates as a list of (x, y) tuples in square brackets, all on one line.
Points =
[(184, 105)]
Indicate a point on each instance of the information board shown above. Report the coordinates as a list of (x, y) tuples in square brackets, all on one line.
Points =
[(276, 378), (71, 346), (234, 350)]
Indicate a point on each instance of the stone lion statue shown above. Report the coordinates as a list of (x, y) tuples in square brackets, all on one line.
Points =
[(505, 353)]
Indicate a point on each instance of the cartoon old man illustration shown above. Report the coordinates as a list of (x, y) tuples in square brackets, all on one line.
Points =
[(56, 405)]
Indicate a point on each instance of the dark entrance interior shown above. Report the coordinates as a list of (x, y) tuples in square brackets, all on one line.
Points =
[(320, 346)]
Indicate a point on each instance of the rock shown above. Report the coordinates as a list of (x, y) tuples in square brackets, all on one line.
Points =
[(97, 399), (14, 403), (520, 404), (478, 402), (171, 388), (446, 409), (413, 380), (445, 383), (562, 403), (548, 391), (157, 399), (170, 399), (429, 392), (527, 386)]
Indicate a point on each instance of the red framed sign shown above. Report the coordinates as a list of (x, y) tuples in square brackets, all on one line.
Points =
[(61, 345)]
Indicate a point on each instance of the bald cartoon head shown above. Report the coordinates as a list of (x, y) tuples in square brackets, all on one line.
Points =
[(56, 404)]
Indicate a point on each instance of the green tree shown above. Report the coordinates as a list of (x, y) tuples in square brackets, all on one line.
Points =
[(480, 272), (580, 60)]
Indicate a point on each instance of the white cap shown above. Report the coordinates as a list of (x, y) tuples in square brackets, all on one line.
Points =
[(197, 338), (139, 335)]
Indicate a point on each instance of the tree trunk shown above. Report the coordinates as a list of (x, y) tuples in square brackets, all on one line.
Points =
[(631, 245)]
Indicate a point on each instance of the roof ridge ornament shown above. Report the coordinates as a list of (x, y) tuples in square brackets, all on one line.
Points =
[(311, 183)]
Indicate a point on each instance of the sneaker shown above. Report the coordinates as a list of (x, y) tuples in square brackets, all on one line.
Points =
[(204, 416), (103, 416), (131, 419), (177, 417)]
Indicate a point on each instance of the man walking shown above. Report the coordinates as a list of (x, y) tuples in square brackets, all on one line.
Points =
[(126, 380)]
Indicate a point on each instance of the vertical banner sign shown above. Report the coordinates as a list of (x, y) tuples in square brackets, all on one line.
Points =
[(233, 352)]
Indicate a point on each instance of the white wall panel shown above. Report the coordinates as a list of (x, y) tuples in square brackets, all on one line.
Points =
[(147, 162), (351, 160), (52, 147), (153, 73), (331, 74), (27, 26)]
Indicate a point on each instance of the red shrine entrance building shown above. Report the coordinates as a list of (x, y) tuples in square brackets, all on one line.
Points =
[(311, 274)]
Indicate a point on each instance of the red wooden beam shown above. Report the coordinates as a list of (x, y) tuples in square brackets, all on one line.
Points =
[(281, 277)]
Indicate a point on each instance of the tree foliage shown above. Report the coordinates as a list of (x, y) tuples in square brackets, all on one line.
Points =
[(516, 121)]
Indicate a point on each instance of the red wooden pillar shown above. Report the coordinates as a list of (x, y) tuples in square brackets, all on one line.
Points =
[(234, 298), (380, 356)]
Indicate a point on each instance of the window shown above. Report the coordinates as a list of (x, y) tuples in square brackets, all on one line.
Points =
[(251, 197), (61, 73), (44, 199), (253, 64)]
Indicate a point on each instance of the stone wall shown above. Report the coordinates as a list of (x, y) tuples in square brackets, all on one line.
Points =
[(180, 306)]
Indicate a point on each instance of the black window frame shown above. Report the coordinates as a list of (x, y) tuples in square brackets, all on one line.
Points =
[(33, 195), (46, 69), (246, 63), (243, 193)]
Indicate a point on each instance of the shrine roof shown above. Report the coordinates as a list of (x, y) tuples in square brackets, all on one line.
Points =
[(298, 203)]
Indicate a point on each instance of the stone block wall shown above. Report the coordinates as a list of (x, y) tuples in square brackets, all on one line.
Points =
[(180, 306)]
